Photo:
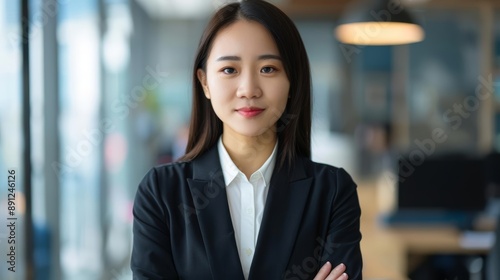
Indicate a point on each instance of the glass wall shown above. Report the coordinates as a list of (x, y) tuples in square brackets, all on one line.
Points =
[(12, 207), (41, 250), (79, 172), (120, 74)]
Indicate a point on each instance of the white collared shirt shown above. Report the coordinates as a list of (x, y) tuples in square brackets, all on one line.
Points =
[(246, 199)]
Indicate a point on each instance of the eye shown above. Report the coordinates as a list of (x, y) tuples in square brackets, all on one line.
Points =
[(228, 70), (268, 70)]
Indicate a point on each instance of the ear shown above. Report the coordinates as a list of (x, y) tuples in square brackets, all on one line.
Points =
[(202, 77)]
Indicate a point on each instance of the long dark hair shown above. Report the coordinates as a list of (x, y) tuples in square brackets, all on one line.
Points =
[(294, 126)]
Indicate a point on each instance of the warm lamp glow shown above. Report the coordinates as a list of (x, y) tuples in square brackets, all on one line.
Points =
[(379, 33), (378, 22)]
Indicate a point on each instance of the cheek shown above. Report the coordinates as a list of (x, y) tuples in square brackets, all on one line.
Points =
[(280, 94), (218, 89), (219, 85), (220, 97)]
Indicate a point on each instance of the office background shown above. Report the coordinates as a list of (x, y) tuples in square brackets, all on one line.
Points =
[(98, 91)]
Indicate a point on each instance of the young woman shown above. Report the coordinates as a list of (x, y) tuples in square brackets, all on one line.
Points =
[(246, 201)]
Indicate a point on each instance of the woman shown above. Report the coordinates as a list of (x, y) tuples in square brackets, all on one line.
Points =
[(246, 201)]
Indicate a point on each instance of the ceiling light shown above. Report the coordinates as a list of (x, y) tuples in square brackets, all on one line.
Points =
[(378, 22)]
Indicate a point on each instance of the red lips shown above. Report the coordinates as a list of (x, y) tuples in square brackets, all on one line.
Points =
[(250, 111)]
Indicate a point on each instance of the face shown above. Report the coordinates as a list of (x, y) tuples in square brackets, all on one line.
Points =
[(245, 79)]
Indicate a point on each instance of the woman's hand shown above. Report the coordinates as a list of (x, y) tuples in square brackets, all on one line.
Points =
[(327, 273)]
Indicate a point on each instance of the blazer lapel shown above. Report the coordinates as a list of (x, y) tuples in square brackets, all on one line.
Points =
[(287, 197), (210, 199)]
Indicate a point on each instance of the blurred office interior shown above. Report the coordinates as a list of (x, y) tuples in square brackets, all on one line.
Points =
[(96, 92)]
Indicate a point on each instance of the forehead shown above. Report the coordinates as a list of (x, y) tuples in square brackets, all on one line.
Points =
[(243, 37)]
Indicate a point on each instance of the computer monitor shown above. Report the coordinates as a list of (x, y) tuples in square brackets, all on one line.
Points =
[(449, 183), (492, 168)]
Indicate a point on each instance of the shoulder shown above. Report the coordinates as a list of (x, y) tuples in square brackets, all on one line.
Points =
[(337, 187), (323, 171), (162, 185), (161, 178), (332, 181), (169, 171)]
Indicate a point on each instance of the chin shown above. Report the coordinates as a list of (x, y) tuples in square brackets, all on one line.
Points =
[(253, 132)]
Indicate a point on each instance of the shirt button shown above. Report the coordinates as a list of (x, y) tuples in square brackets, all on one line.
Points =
[(249, 211), (248, 251)]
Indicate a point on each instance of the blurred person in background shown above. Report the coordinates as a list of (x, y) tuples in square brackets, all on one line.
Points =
[(246, 201)]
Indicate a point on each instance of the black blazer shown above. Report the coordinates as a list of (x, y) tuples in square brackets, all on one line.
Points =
[(183, 230)]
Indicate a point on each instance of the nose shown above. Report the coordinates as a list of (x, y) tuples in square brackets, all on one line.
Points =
[(249, 86)]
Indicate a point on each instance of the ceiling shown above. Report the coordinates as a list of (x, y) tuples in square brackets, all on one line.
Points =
[(308, 8), (163, 9)]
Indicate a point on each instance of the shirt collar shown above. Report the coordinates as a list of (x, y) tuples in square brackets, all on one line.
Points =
[(230, 170)]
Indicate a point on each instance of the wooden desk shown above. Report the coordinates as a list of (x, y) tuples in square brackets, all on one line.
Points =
[(386, 250)]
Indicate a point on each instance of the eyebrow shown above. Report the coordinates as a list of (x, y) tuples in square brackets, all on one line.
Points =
[(261, 57)]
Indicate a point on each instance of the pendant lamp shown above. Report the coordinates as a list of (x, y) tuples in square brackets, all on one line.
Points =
[(378, 23)]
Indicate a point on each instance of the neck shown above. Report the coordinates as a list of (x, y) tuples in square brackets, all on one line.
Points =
[(249, 153)]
